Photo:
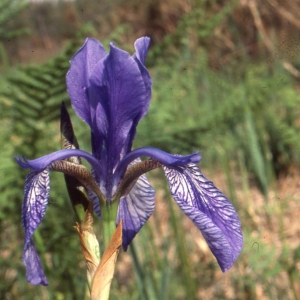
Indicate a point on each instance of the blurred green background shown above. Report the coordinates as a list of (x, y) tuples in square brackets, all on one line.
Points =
[(226, 81)]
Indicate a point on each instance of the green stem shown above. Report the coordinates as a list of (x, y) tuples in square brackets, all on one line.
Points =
[(139, 271), (109, 213)]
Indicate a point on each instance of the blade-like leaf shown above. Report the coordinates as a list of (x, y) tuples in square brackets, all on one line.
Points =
[(77, 193)]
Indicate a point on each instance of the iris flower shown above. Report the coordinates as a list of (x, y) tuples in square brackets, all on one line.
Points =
[(111, 92)]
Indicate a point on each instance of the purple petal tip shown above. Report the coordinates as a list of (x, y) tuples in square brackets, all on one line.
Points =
[(22, 163), (195, 157)]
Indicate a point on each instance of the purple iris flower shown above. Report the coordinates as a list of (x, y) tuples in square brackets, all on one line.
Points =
[(111, 92)]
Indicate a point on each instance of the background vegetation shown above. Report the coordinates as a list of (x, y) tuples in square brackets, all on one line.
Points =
[(226, 81)]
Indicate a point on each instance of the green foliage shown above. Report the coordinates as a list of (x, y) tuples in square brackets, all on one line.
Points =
[(255, 114), (9, 9)]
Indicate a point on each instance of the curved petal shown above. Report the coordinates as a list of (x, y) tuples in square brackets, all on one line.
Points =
[(141, 46), (123, 93), (135, 209), (82, 65), (209, 210), (37, 187), (44, 161), (157, 154)]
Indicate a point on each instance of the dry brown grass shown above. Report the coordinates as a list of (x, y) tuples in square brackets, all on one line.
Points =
[(253, 27)]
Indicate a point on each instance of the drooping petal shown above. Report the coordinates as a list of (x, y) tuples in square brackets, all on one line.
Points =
[(34, 206), (157, 154), (44, 161), (34, 270), (135, 209), (209, 210), (78, 84), (123, 93)]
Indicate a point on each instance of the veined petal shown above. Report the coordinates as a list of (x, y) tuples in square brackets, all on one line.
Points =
[(96, 203), (157, 154), (44, 161), (37, 187), (93, 196), (209, 210), (82, 65), (135, 209)]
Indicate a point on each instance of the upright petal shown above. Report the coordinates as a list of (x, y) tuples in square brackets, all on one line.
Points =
[(141, 46), (123, 92), (209, 210), (135, 209), (78, 84), (34, 206)]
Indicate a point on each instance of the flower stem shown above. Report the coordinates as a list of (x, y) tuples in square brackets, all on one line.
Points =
[(109, 214)]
